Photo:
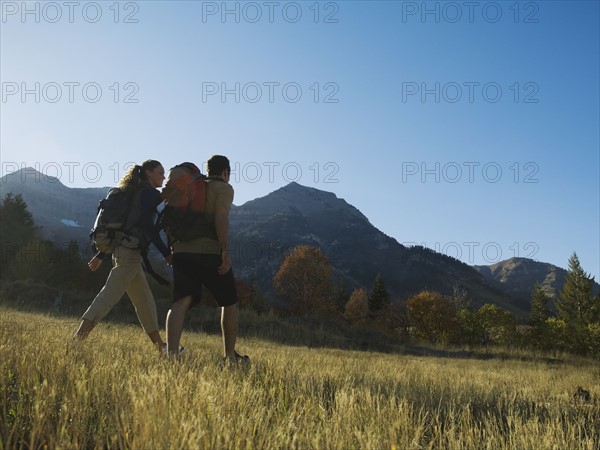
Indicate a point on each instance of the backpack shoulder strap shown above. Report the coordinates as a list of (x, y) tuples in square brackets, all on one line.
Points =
[(148, 268), (134, 213)]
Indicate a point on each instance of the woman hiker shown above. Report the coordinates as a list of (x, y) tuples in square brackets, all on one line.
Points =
[(127, 274)]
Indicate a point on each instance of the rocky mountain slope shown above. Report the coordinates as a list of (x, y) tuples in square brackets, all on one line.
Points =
[(264, 229)]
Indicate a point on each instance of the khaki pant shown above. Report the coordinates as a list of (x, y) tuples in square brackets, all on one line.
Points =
[(126, 276)]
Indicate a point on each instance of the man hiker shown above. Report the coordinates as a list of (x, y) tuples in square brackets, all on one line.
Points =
[(205, 261)]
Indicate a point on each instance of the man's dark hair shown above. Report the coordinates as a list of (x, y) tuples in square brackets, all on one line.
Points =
[(217, 164)]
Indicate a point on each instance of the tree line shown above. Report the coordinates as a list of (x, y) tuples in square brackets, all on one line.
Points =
[(26, 255), (304, 280)]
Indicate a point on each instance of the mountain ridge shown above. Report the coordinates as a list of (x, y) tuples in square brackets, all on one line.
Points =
[(51, 202), (517, 275), (262, 230)]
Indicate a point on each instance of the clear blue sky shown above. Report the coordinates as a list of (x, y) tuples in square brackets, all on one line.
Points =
[(471, 131)]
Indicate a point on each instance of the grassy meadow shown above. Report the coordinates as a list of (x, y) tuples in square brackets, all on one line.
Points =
[(115, 391)]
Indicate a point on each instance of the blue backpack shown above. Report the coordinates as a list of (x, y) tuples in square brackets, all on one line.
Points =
[(116, 222)]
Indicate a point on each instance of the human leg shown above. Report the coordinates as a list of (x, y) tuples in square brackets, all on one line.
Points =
[(110, 294), (187, 288), (229, 329), (145, 307), (223, 290), (174, 325), (85, 327)]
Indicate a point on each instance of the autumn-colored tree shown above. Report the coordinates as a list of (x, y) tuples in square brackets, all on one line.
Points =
[(304, 281), (244, 293), (250, 296), (357, 308), (433, 316), (391, 320)]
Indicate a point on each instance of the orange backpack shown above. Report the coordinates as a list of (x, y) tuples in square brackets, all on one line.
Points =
[(183, 217)]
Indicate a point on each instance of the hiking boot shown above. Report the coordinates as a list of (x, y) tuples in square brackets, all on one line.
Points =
[(240, 360), (179, 353)]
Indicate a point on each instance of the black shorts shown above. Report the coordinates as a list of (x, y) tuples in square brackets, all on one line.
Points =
[(192, 270)]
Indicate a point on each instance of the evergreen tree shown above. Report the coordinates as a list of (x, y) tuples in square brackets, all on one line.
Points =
[(578, 309), (538, 315), (539, 310), (341, 296), (16, 222), (379, 297), (16, 229), (576, 306)]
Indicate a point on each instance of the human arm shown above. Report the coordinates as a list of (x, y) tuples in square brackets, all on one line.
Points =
[(223, 204), (222, 228)]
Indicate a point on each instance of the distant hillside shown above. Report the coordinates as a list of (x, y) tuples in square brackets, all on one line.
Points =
[(264, 229), (517, 277), (64, 213)]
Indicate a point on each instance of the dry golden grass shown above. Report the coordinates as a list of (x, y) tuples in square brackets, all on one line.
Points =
[(115, 391)]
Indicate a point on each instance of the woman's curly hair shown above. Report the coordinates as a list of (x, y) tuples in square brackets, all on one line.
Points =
[(136, 177)]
